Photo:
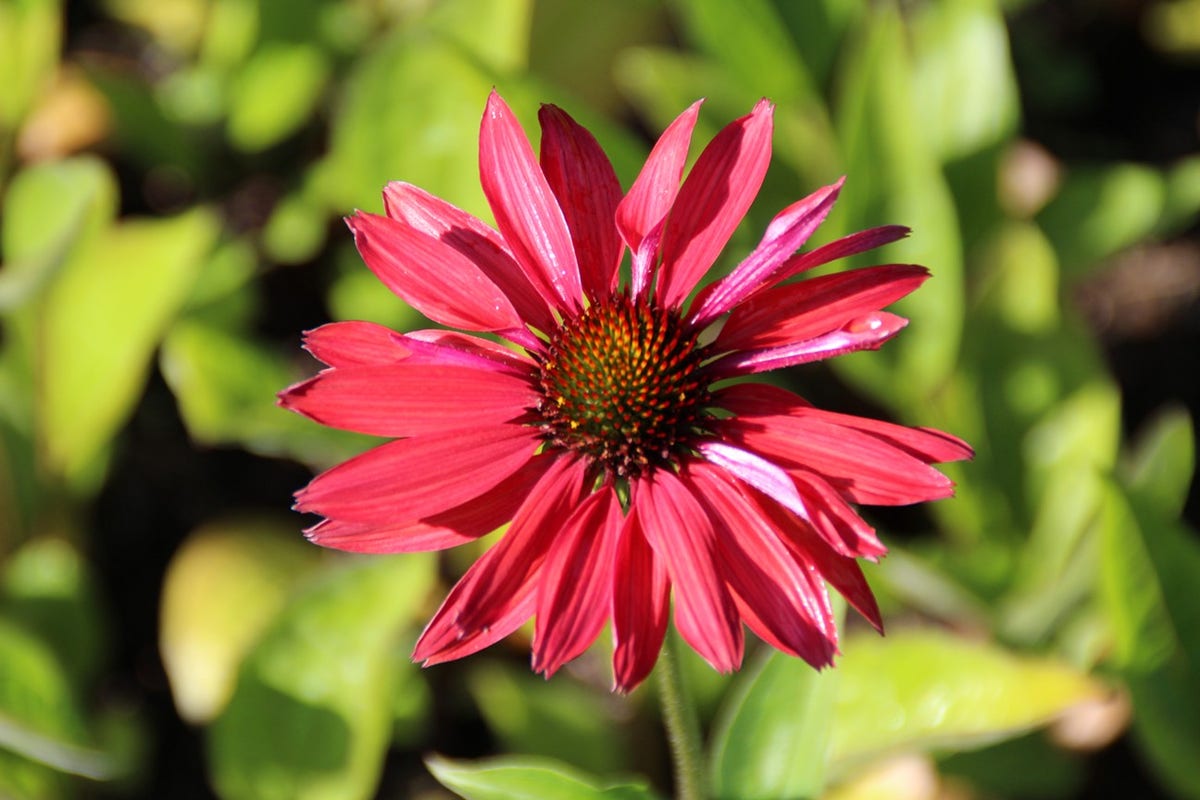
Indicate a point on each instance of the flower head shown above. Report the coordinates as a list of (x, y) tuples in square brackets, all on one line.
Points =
[(604, 430)]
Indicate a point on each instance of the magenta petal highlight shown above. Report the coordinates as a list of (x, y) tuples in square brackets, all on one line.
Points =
[(526, 211), (640, 604), (587, 189), (574, 593), (682, 535), (712, 201), (431, 276), (419, 477), (787, 232), (410, 399)]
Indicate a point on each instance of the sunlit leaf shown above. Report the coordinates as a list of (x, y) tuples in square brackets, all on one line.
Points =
[(275, 93), (30, 34), (494, 31), (894, 176), (925, 689), (100, 323), (311, 715), (48, 211), (774, 735), (222, 588), (964, 77), (523, 778)]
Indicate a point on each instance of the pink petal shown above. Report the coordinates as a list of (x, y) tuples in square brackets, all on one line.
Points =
[(784, 603), (431, 276), (712, 201), (473, 239), (835, 521), (526, 211), (454, 348), (757, 472), (504, 575), (644, 209), (575, 590), (927, 444), (640, 602), (448, 643), (866, 469), (787, 232), (587, 189), (465, 523), (406, 400), (410, 399), (419, 477), (347, 344), (864, 333), (842, 572), (801, 311), (849, 245), (679, 530)]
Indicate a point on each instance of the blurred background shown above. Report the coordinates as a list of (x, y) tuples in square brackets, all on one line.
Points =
[(172, 177)]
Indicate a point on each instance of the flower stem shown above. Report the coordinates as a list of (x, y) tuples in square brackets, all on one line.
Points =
[(683, 727)]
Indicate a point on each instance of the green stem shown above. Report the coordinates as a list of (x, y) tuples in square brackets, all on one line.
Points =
[(683, 727)]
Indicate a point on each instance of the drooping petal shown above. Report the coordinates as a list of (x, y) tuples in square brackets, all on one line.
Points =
[(761, 399), (474, 239), (501, 578), (347, 344), (419, 477), (449, 643), (431, 276), (406, 399), (641, 600), (586, 186), (575, 589), (437, 346), (525, 208), (787, 232), (834, 520), (712, 201), (842, 572), (862, 467), (783, 602), (868, 332), (799, 312), (679, 530), (650, 198), (465, 523), (757, 472)]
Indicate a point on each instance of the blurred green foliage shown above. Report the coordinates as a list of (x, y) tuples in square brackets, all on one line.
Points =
[(156, 183)]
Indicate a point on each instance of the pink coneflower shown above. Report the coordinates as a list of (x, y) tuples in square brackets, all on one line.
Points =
[(603, 429)]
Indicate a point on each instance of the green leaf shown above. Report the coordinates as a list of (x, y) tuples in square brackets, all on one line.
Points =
[(964, 79), (99, 325), (894, 176), (48, 211), (30, 39), (225, 385), (48, 588), (1082, 431), (926, 689), (494, 31), (311, 715), (559, 719), (773, 736), (274, 93), (524, 778), (40, 724), (222, 588), (1162, 463), (1102, 210)]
